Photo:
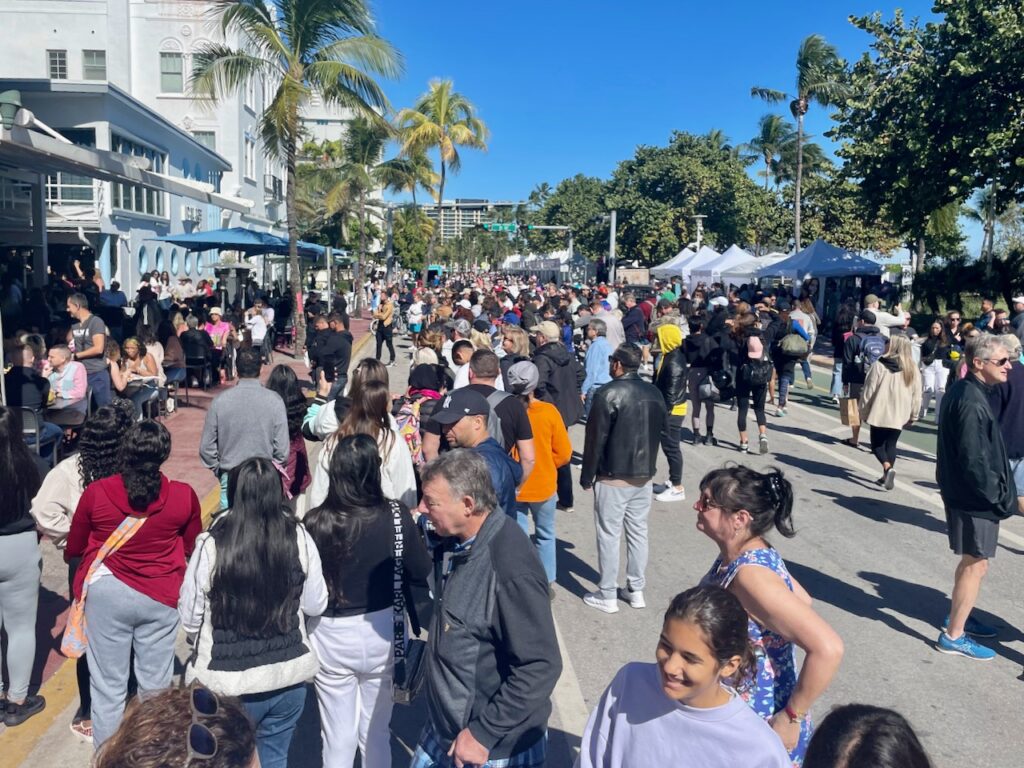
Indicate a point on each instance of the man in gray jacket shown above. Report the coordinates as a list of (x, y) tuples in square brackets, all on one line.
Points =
[(493, 659), (248, 421)]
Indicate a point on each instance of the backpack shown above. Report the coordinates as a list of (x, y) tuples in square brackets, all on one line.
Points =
[(794, 345), (408, 419), (871, 348), (493, 419)]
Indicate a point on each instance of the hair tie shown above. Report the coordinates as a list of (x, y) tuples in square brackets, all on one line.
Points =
[(775, 489)]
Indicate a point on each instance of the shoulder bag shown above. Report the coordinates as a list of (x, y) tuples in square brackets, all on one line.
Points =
[(409, 653), (76, 638)]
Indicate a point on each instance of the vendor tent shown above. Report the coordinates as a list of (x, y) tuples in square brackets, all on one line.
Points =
[(712, 271), (243, 240), (820, 259), (671, 267), (746, 271), (704, 256)]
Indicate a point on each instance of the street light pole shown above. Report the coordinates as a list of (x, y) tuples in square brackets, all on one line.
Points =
[(611, 248), (699, 218)]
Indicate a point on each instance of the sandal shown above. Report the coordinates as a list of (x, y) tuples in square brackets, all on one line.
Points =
[(849, 441), (82, 728)]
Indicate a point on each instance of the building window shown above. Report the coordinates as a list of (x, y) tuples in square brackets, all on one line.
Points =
[(188, 263), (94, 65), (57, 61), (207, 138), (174, 262), (172, 73), (158, 263), (250, 94), (64, 188), (134, 198), (250, 158), (143, 261)]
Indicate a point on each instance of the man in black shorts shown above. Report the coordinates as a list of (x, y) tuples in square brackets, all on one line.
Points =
[(977, 488)]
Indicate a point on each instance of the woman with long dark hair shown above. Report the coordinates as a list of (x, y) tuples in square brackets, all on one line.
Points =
[(355, 535), (99, 456), (133, 590), (370, 414), (21, 472), (324, 416), (737, 509), (285, 383), (934, 366), (254, 578)]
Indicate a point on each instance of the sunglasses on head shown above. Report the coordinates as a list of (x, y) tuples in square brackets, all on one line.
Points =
[(202, 742)]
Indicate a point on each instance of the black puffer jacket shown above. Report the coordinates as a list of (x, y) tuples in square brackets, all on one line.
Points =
[(560, 380), (671, 378), (623, 431)]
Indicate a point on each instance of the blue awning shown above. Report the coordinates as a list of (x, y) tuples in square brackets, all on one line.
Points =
[(247, 241)]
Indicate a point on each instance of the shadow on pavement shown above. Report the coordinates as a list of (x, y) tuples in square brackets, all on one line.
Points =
[(821, 469), (49, 633), (571, 570), (882, 511)]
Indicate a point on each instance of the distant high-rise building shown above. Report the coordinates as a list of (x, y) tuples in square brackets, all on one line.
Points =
[(463, 213)]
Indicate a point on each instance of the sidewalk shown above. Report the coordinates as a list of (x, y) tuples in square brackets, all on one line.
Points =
[(45, 738)]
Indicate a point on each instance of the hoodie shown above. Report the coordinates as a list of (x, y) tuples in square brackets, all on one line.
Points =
[(886, 399), (153, 560), (670, 378), (560, 380)]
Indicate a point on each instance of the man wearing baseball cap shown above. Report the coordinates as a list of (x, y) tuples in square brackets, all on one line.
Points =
[(883, 320), (463, 418)]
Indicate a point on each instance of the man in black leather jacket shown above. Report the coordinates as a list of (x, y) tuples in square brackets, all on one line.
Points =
[(620, 455)]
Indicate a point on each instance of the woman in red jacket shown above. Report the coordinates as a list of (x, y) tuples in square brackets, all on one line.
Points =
[(132, 595)]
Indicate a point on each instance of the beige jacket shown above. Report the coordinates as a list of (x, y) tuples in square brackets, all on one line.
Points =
[(886, 400), (57, 499)]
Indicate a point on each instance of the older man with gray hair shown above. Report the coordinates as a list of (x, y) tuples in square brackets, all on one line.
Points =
[(493, 658), (595, 364), (1007, 401), (977, 487)]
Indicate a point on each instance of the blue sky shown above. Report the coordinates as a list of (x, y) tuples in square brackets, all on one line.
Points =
[(568, 87)]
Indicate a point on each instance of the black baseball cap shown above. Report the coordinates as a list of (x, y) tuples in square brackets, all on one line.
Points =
[(461, 402)]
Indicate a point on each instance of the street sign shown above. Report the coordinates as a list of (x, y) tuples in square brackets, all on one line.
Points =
[(500, 226)]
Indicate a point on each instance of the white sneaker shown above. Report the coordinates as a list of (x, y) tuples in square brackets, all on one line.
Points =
[(595, 600), (672, 494), (635, 599)]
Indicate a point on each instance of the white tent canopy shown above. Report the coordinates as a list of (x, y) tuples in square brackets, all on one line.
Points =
[(711, 272), (705, 255), (671, 267), (746, 271)]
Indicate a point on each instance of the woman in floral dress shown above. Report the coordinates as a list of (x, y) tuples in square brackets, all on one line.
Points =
[(736, 509)]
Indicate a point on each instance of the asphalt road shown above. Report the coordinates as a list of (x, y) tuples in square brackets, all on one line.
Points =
[(876, 563)]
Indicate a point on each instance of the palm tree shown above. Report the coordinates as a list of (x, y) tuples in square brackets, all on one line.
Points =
[(444, 119), (306, 48), (784, 167), (986, 211), (820, 77), (540, 194), (774, 134), (409, 173)]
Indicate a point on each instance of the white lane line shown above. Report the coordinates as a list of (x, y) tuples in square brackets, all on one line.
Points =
[(932, 498), (567, 697)]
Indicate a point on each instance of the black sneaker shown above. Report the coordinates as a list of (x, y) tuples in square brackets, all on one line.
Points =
[(710, 439), (696, 437), (18, 713)]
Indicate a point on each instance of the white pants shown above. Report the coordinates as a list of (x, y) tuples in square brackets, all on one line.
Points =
[(353, 687), (933, 381)]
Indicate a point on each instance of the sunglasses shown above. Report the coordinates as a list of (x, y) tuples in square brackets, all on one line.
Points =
[(1000, 362), (954, 319), (202, 743)]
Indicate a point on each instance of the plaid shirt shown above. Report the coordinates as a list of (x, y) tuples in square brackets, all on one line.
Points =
[(430, 753)]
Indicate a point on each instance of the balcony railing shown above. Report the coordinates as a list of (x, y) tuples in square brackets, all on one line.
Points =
[(273, 186)]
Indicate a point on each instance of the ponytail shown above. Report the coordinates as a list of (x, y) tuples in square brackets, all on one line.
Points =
[(766, 496)]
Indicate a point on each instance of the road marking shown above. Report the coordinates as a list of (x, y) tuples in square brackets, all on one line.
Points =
[(933, 498), (568, 696)]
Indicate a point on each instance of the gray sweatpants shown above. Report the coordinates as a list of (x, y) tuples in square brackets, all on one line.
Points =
[(118, 619), (616, 508), (20, 568)]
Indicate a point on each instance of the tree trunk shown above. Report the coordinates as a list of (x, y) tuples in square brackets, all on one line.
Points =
[(362, 228), (919, 260), (799, 180), (295, 276), (437, 229)]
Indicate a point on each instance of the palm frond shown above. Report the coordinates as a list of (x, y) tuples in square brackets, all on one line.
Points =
[(768, 94), (219, 70)]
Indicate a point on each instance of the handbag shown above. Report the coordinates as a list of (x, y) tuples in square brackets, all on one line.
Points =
[(794, 345), (849, 411), (410, 654), (757, 373), (76, 637)]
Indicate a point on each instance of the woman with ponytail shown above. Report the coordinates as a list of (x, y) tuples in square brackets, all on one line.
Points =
[(658, 714), (132, 593), (253, 581), (737, 509)]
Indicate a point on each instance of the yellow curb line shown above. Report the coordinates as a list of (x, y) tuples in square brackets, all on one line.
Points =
[(62, 687)]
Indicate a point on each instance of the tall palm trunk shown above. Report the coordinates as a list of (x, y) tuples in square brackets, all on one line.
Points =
[(767, 171), (294, 277), (437, 230), (799, 179)]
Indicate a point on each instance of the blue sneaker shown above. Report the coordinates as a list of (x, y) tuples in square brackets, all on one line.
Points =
[(964, 646), (974, 628)]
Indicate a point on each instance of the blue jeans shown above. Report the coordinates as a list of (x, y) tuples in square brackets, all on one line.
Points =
[(275, 715), (49, 436), (544, 522), (100, 383), (430, 753), (805, 365), (837, 378), (223, 491)]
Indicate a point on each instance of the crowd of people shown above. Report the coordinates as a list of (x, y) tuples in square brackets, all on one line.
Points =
[(415, 515)]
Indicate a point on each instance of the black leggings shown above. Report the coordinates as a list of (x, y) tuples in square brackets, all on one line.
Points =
[(745, 393), (883, 444), (384, 335), (670, 445), (564, 486)]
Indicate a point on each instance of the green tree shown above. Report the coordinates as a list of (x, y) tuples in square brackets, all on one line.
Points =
[(445, 120), (411, 233), (577, 202), (306, 48), (409, 173), (774, 135), (820, 77)]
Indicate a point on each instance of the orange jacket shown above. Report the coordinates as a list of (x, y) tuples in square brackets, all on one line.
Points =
[(552, 449)]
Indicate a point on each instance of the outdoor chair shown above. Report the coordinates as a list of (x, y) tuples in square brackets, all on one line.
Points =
[(31, 426)]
